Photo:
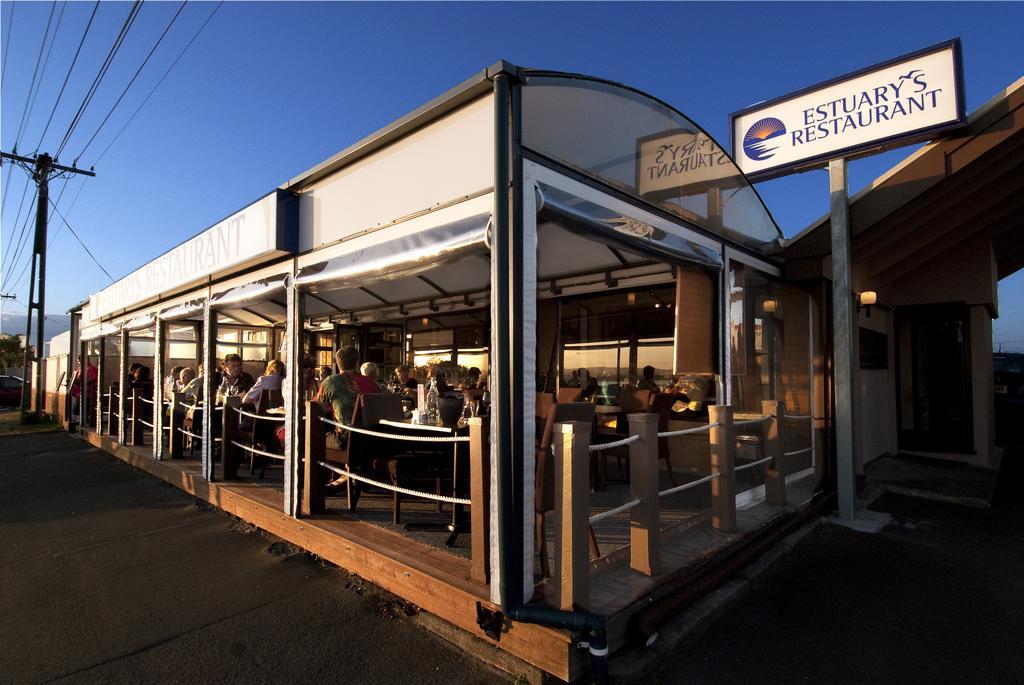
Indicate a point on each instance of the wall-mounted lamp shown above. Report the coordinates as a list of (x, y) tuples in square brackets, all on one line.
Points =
[(425, 322), (770, 305), (631, 298), (865, 300)]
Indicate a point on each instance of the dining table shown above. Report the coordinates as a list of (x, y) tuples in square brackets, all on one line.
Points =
[(460, 522)]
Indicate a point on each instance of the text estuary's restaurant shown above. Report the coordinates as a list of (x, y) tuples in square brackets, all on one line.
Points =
[(616, 375)]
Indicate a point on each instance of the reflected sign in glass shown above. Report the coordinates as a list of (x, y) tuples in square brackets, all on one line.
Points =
[(901, 101)]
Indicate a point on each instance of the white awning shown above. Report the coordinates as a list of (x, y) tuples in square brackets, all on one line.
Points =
[(257, 291), (185, 310), (140, 322), (400, 257), (97, 332)]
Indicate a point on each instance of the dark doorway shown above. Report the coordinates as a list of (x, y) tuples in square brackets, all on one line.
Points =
[(933, 378)]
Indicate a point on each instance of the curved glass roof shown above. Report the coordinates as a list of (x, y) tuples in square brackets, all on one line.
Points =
[(640, 145)]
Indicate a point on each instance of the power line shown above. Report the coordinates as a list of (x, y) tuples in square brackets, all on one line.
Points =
[(7, 279), (89, 252), (17, 217), (46, 63), (70, 69), (7, 45), (35, 73), (111, 54), (146, 99), (20, 240), (134, 76), (56, 321)]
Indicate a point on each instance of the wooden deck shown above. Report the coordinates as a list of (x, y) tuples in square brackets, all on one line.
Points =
[(440, 582)]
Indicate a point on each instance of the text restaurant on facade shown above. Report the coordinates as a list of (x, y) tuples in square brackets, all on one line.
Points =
[(630, 392)]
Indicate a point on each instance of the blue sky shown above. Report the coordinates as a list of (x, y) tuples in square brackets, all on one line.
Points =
[(270, 89)]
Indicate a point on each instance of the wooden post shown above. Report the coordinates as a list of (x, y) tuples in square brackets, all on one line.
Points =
[(314, 500), (571, 445), (177, 416), (723, 462), (479, 510), (229, 433), (135, 432), (775, 474), (644, 519)]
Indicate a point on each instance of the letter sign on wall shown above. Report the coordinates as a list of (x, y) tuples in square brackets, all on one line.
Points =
[(901, 101)]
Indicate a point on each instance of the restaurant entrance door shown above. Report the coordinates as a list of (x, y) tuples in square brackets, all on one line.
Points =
[(934, 382)]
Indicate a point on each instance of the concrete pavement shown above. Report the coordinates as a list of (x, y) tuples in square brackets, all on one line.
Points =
[(109, 575), (937, 597)]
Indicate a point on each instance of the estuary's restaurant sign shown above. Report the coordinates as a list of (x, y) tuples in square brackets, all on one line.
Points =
[(908, 99), (259, 230)]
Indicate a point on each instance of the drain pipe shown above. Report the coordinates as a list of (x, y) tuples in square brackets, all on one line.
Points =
[(507, 433)]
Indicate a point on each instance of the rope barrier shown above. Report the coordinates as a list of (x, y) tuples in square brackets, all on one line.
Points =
[(796, 452), (687, 431), (190, 406), (751, 422), (618, 443), (752, 464), (256, 451), (799, 418), (144, 423), (395, 488), (393, 436), (259, 416), (612, 512), (143, 399), (191, 435), (687, 486)]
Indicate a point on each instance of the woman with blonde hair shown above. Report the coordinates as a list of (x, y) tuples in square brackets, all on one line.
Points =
[(270, 380)]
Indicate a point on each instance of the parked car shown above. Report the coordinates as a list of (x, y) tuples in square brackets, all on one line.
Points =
[(10, 391), (1008, 376)]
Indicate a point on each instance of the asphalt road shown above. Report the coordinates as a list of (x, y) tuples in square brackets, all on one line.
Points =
[(109, 575), (936, 597)]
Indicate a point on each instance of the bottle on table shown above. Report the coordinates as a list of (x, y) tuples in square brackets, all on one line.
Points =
[(433, 416)]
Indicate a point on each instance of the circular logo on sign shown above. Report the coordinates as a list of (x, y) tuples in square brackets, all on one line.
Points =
[(755, 142)]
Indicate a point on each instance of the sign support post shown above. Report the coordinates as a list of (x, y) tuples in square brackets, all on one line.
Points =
[(842, 337)]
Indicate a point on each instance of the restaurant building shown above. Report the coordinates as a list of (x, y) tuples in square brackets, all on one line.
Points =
[(565, 236)]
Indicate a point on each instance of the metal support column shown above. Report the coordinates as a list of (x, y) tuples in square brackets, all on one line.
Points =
[(159, 333), (122, 389), (843, 332), (101, 353), (294, 399), (209, 356)]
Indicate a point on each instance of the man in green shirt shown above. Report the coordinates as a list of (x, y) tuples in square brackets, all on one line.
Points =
[(340, 390)]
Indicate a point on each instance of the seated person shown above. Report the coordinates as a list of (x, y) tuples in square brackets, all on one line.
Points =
[(310, 385), (234, 381), (187, 382), (473, 379), (647, 382), (325, 371), (340, 392), (270, 380), (171, 381), (407, 383), (371, 371)]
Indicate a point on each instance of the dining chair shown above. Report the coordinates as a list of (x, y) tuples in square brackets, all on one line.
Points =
[(661, 404), (544, 496), (346, 452), (569, 395)]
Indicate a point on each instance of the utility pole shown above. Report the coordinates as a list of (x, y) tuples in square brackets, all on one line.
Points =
[(2, 298), (43, 168)]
